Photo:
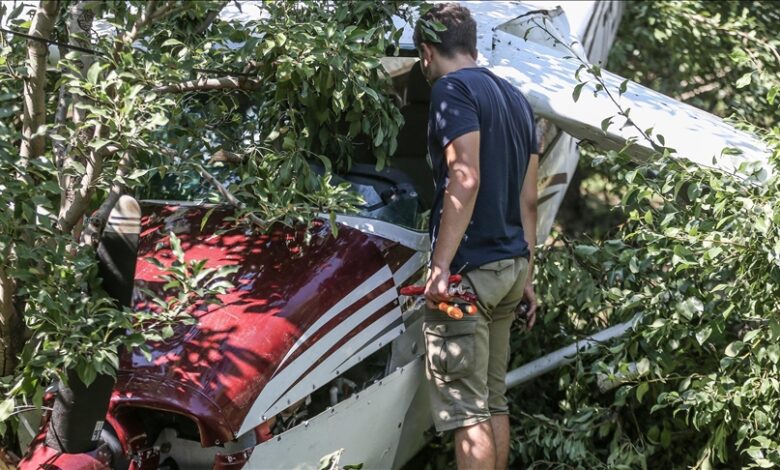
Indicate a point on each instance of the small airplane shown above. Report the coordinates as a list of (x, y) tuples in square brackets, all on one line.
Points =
[(315, 358)]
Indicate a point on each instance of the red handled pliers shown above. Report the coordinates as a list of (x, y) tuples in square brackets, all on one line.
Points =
[(453, 309)]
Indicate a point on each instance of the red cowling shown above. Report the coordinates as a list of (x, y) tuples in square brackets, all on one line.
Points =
[(50, 459), (42, 457), (214, 370)]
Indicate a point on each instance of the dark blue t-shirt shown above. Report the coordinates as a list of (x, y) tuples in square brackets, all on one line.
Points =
[(474, 99)]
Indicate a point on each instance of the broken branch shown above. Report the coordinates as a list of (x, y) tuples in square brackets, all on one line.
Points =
[(204, 84), (231, 199)]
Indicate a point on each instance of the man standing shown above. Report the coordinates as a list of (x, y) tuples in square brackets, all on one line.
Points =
[(483, 149)]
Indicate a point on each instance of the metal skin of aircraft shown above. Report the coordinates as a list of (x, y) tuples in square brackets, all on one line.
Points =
[(314, 359)]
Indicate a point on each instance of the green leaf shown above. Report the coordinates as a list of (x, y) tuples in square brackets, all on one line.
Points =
[(171, 42), (577, 90), (99, 143), (714, 252), (744, 80), (666, 438), (658, 323), (78, 167), (773, 352), (138, 173), (6, 408), (770, 96), (703, 334), (690, 308), (438, 27), (734, 348), (641, 390), (167, 331), (585, 250), (605, 124), (176, 247), (379, 137), (86, 373), (643, 366), (94, 72)]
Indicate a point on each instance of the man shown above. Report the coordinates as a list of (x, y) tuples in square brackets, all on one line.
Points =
[(483, 149)]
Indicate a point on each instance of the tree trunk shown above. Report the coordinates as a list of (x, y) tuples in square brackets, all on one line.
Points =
[(10, 325), (32, 146), (34, 114), (77, 190)]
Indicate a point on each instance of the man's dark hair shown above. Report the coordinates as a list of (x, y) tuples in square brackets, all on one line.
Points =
[(460, 35)]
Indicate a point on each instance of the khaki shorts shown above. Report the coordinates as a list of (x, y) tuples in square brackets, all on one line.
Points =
[(466, 359)]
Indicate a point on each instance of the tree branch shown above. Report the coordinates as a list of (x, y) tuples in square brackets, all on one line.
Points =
[(231, 199), (203, 84), (80, 18), (10, 323), (59, 146), (141, 22), (79, 26), (209, 19), (76, 202), (154, 12), (97, 221), (707, 87), (34, 89)]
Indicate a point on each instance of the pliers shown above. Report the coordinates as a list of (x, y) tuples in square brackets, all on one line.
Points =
[(456, 291)]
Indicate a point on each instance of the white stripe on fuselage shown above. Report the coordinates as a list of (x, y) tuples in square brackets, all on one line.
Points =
[(380, 277), (410, 267), (287, 376), (335, 364)]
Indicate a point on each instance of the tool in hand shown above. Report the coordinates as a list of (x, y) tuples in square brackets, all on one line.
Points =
[(456, 291)]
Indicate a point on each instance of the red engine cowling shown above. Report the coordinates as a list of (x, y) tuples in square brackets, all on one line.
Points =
[(208, 376)]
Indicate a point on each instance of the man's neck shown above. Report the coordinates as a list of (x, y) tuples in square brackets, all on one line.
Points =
[(458, 61)]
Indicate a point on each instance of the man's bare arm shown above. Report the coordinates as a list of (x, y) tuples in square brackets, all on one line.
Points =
[(528, 216), (460, 195)]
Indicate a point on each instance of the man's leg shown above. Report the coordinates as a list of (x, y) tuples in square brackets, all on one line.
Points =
[(499, 333), (474, 447), (456, 369), (500, 426)]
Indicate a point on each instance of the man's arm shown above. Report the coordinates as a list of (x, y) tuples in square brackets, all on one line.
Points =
[(460, 195), (528, 211)]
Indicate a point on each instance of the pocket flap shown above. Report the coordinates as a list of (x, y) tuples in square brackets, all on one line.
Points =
[(446, 329)]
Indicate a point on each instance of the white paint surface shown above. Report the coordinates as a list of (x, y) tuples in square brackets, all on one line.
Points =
[(367, 426)]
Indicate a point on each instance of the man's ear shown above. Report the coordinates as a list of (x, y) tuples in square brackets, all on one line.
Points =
[(426, 52)]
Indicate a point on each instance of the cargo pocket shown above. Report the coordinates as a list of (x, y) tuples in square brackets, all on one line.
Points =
[(450, 348)]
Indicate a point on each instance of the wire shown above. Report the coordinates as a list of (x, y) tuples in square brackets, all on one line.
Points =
[(53, 42), (31, 408), (103, 54)]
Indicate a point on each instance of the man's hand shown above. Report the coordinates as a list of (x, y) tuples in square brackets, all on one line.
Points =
[(437, 287), (530, 298)]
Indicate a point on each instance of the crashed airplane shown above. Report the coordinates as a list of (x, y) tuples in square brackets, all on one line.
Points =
[(315, 359)]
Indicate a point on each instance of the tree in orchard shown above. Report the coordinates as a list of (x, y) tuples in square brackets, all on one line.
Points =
[(694, 261), (164, 98)]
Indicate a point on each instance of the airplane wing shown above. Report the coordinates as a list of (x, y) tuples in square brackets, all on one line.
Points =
[(546, 75)]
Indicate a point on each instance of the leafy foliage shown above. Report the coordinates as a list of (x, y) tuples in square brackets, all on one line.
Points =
[(152, 98), (720, 56), (188, 285), (694, 265)]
